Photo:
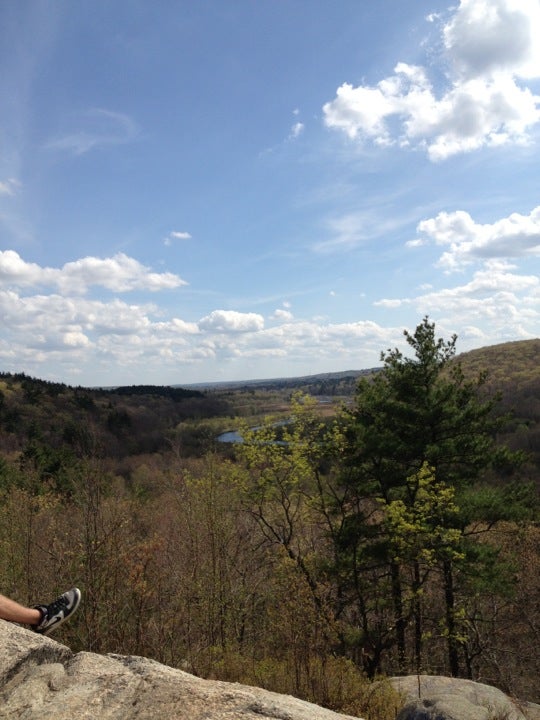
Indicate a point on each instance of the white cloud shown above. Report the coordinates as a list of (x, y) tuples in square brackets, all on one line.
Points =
[(511, 237), (390, 303), (44, 314), (486, 37), (296, 130), (352, 229), (14, 271), (119, 273), (176, 235), (484, 103), (75, 338), (71, 336), (178, 326), (282, 315), (230, 321), (70, 332), (99, 338), (496, 304)]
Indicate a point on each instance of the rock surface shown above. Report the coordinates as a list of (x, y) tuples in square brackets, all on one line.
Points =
[(43, 680), (430, 697)]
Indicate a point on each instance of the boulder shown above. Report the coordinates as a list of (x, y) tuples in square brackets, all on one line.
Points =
[(430, 697), (43, 680)]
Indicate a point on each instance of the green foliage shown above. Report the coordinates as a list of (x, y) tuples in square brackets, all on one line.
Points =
[(428, 528), (176, 393), (112, 423), (49, 467), (285, 461), (332, 682), (419, 435)]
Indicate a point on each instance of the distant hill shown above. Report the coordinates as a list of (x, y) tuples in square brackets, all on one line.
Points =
[(331, 383), (115, 422), (122, 421), (513, 370), (506, 362)]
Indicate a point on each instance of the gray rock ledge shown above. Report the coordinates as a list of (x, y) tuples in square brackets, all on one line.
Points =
[(43, 680)]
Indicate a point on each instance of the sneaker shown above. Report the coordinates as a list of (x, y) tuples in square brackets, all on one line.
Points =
[(53, 615)]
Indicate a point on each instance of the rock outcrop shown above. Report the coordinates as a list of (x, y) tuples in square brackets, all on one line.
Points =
[(43, 680), (430, 697)]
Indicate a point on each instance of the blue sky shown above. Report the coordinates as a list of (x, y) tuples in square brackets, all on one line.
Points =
[(231, 189)]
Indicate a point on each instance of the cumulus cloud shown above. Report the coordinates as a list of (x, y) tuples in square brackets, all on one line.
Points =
[(496, 297), (71, 331), (491, 47), (119, 273), (15, 271), (510, 237), (66, 334), (230, 321), (486, 37), (494, 278), (75, 338), (282, 315), (297, 340), (70, 334), (178, 326)]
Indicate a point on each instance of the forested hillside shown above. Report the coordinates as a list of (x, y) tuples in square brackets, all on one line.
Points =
[(513, 370), (132, 420), (389, 529), (114, 422)]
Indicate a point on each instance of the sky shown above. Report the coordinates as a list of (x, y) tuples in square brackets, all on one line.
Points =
[(209, 190)]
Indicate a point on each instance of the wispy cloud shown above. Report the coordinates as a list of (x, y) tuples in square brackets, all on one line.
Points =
[(95, 128), (9, 187), (176, 235), (353, 229), (296, 130)]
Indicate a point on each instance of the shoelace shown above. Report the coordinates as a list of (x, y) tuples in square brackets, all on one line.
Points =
[(56, 606)]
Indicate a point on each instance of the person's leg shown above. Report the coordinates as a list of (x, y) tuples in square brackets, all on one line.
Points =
[(12, 611)]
